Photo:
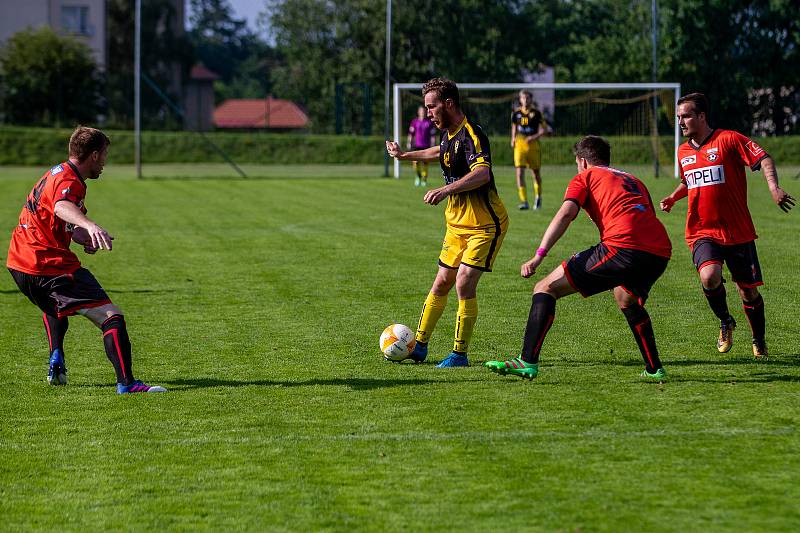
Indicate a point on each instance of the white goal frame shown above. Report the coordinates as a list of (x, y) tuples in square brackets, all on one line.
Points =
[(397, 87)]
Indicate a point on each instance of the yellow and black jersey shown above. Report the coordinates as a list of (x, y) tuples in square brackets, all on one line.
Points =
[(459, 154), (527, 121)]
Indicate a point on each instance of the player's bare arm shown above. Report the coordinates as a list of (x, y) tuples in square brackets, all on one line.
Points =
[(71, 214), (536, 136), (478, 177), (680, 192), (558, 226), (781, 198), (428, 154), (513, 134)]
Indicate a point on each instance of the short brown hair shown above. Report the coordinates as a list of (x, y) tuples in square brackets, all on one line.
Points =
[(85, 140), (595, 150), (443, 88), (698, 100)]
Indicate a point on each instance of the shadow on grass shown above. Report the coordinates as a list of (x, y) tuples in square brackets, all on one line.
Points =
[(353, 383)]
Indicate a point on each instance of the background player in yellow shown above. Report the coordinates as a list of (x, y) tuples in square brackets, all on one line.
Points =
[(527, 126), (476, 218)]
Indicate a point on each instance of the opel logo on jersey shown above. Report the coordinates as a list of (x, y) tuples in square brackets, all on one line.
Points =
[(447, 159)]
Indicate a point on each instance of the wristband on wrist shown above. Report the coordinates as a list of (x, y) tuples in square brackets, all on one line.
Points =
[(541, 252)]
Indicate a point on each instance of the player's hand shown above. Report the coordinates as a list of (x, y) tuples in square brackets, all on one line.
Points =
[(393, 149), (100, 239), (530, 138), (434, 196), (666, 204), (89, 249), (528, 268), (784, 200), (512, 142)]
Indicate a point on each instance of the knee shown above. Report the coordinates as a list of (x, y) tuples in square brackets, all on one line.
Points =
[(543, 286), (711, 279), (748, 294)]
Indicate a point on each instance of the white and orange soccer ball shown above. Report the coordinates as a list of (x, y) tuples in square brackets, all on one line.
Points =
[(397, 342)]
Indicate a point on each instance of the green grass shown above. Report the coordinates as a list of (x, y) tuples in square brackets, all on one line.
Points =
[(259, 303)]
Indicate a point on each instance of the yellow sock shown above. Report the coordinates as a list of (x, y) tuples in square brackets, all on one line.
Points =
[(523, 194), (465, 322), (432, 310), (424, 171), (537, 189)]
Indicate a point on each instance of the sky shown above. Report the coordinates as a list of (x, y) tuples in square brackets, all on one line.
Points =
[(248, 9)]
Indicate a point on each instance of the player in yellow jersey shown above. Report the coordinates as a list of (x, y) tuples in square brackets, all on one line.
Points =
[(527, 126), (476, 218)]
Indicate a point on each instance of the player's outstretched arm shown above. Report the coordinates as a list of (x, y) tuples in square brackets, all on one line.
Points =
[(558, 226), (681, 191), (70, 213), (428, 154), (781, 198)]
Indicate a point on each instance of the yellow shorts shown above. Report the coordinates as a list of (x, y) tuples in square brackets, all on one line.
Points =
[(475, 248), (527, 154)]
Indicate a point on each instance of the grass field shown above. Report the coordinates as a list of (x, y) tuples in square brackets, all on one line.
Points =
[(259, 303)]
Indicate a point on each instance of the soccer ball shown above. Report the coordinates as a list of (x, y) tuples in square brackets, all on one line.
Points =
[(397, 342)]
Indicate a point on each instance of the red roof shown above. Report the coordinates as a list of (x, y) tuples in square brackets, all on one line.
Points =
[(200, 72), (263, 113)]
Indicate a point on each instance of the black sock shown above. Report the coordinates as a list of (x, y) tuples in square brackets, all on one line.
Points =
[(642, 329), (755, 315), (540, 318), (118, 348), (717, 300), (56, 328)]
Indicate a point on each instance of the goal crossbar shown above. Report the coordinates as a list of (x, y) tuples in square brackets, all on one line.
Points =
[(676, 87)]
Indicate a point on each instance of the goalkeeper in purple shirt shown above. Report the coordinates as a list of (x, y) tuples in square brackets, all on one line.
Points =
[(421, 134)]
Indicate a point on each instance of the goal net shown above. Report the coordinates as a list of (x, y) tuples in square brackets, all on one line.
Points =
[(638, 119)]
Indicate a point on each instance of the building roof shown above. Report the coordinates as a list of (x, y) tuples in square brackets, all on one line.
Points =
[(200, 72), (262, 113)]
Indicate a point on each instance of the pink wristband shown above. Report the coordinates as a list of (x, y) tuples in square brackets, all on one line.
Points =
[(541, 252)]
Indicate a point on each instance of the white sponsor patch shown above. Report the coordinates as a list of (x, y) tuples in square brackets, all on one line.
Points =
[(56, 169), (712, 150), (689, 160), (754, 148), (705, 176)]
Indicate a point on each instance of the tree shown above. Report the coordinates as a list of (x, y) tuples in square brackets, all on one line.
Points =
[(49, 80), (228, 47), (166, 59), (324, 43)]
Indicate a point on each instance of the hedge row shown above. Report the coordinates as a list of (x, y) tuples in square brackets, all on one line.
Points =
[(43, 146)]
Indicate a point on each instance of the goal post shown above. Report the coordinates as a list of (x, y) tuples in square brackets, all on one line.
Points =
[(671, 88)]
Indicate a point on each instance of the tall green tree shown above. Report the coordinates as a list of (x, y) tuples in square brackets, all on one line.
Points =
[(325, 43), (166, 59), (49, 80), (228, 47)]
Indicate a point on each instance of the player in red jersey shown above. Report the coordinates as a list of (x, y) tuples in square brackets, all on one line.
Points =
[(719, 228), (50, 274), (633, 252)]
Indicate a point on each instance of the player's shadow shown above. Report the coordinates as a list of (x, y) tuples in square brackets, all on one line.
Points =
[(353, 383)]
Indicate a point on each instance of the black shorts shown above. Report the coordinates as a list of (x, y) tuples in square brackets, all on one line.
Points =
[(602, 268), (62, 295), (742, 260)]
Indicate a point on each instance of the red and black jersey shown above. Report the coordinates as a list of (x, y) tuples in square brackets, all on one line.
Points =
[(40, 242), (717, 187), (620, 206)]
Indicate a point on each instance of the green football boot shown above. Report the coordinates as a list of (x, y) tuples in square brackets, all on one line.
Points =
[(515, 367), (658, 375)]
